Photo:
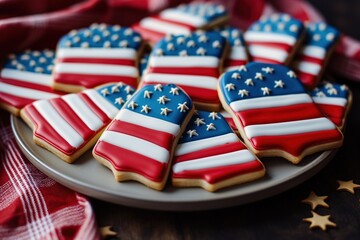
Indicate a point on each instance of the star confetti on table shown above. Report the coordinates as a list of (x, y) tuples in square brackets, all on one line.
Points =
[(106, 232), (314, 200), (347, 186), (320, 221)]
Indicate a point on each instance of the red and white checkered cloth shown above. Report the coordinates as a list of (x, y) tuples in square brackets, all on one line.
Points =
[(32, 206)]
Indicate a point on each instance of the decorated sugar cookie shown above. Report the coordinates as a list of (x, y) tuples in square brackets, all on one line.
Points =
[(192, 62), (139, 143), (210, 155), (182, 19), (274, 114), (334, 100), (311, 60), (92, 56), (69, 125), (274, 39), (26, 77)]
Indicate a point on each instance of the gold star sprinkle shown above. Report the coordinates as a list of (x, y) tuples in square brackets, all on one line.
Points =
[(347, 186), (106, 232), (319, 221), (314, 200)]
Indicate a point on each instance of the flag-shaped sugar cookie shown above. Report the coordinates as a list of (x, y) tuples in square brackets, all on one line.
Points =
[(139, 143), (274, 39), (182, 19), (238, 54), (274, 114), (26, 77), (69, 125), (192, 62), (92, 56), (312, 58), (334, 100), (210, 155)]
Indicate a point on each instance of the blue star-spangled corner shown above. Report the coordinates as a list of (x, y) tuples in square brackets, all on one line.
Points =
[(117, 94), (321, 35), (41, 62), (279, 24), (102, 36), (328, 89), (256, 80), (195, 44)]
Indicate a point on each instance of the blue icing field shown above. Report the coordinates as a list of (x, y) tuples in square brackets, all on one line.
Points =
[(166, 102), (232, 35), (259, 80), (101, 36), (280, 24), (208, 11), (116, 94), (143, 63), (327, 89), (205, 125), (32, 61), (321, 35), (195, 44)]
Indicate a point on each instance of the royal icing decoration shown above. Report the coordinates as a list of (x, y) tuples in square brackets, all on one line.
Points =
[(312, 57), (182, 19), (26, 77), (211, 152), (277, 119), (96, 55), (69, 122), (141, 141), (229, 120), (196, 71), (272, 39), (333, 101)]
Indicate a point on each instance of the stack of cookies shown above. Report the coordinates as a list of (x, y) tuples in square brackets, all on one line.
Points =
[(182, 96)]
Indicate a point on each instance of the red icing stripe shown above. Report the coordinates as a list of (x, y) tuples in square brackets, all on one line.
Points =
[(162, 139), (305, 58), (17, 102), (334, 112), (282, 46), (116, 61), (231, 122), (307, 79), (72, 118), (180, 24), (104, 118), (201, 71), (29, 85), (129, 161), (148, 34)]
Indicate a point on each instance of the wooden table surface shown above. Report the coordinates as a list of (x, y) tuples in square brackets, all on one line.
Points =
[(278, 217)]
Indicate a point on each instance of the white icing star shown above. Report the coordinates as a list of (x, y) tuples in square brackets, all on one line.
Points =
[(107, 44), (243, 92), (201, 51), (14, 62), (158, 87), (50, 67), (68, 44), (145, 108), (203, 39), (214, 115), (96, 38), (266, 90), (328, 85), (344, 87), (230, 86), (293, 28), (274, 17), (128, 97), (174, 91), (192, 133), (119, 101), (236, 75), (332, 91), (291, 74), (330, 36), (159, 52), (249, 82), (180, 40), (267, 28), (259, 76), (116, 27), (268, 70), (224, 33), (286, 17), (114, 37), (182, 107), (128, 32), (170, 47), (279, 83), (216, 44), (115, 89), (210, 126), (105, 92), (39, 69), (147, 94), (123, 43), (73, 32), (128, 89), (132, 105), (25, 57), (320, 94), (137, 39), (42, 60), (183, 53), (199, 121), (316, 37), (32, 63), (322, 26), (36, 53), (165, 111), (85, 45), (281, 26), (235, 33), (20, 67), (190, 43), (242, 68), (237, 42), (163, 99), (87, 33)]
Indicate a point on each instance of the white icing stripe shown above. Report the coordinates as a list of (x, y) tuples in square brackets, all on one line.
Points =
[(225, 114), (188, 147), (55, 120), (308, 67), (227, 159), (232, 68), (276, 54), (111, 53), (37, 78), (285, 128), (148, 122), (96, 69), (238, 53), (314, 51), (109, 109), (137, 145), (185, 80), (162, 26), (183, 17), (267, 102), (253, 36), (189, 61), (25, 92), (83, 111), (331, 101)]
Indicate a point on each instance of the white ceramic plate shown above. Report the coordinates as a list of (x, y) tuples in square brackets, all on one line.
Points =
[(87, 176)]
